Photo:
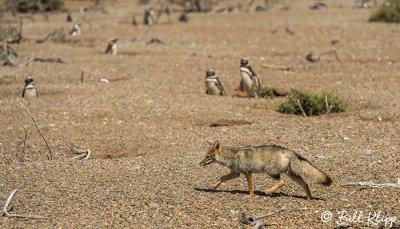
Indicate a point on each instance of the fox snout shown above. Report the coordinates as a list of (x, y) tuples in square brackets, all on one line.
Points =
[(206, 161)]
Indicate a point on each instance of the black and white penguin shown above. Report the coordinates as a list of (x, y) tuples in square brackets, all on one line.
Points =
[(249, 81), (112, 47), (76, 29), (30, 89), (149, 17), (213, 85)]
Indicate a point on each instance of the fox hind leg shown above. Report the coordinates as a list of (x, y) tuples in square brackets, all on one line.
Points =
[(279, 184), (302, 183), (230, 176), (250, 182)]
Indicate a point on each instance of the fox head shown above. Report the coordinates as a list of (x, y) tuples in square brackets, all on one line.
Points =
[(212, 153)]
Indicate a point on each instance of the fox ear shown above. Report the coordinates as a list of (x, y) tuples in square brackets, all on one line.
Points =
[(217, 145), (210, 144)]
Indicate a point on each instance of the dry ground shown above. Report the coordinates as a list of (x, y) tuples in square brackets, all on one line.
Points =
[(148, 127)]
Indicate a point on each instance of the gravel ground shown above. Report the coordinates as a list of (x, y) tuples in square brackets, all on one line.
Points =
[(148, 127)]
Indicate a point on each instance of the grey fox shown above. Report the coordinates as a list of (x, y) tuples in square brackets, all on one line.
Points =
[(270, 159)]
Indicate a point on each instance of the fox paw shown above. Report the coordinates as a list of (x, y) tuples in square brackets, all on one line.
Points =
[(250, 196), (268, 192)]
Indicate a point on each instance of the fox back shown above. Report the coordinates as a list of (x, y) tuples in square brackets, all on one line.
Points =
[(270, 159)]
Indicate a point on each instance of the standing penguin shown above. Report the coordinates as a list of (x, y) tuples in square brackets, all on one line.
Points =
[(76, 30), (149, 17), (249, 81), (112, 47), (213, 85), (30, 89)]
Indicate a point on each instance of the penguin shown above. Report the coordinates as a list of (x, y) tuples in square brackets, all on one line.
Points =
[(76, 30), (249, 81), (112, 47), (213, 85), (149, 17), (69, 18), (30, 89)]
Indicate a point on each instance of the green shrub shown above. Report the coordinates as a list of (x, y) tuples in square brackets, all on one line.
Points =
[(311, 104), (265, 92), (387, 12), (35, 5), (54, 4)]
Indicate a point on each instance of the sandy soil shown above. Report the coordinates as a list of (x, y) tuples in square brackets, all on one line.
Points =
[(148, 127)]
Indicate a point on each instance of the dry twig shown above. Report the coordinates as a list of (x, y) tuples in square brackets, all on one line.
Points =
[(24, 148), (3, 77), (83, 156), (301, 108), (57, 35), (6, 54), (314, 58), (283, 68), (373, 185), (7, 208), (50, 155), (331, 52), (328, 107), (44, 59), (249, 219)]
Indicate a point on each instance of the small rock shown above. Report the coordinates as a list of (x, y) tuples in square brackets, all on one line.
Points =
[(106, 81)]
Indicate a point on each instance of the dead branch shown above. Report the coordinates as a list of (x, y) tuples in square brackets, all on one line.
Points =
[(8, 50), (7, 208), (17, 37), (50, 155), (301, 108), (87, 155), (155, 41), (314, 58), (289, 31), (283, 68), (373, 185), (318, 6), (331, 52), (248, 219), (2, 77), (79, 157), (57, 35), (328, 107), (44, 59), (83, 156), (11, 34), (24, 148), (6, 54)]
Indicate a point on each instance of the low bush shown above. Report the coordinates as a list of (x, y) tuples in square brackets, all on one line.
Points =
[(388, 12), (300, 102), (265, 92), (34, 5)]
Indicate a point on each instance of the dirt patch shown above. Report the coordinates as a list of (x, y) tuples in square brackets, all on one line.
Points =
[(226, 122)]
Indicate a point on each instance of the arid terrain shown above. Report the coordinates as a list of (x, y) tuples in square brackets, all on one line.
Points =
[(148, 127)]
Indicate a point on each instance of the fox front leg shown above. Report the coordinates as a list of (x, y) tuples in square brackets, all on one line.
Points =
[(230, 176), (250, 182)]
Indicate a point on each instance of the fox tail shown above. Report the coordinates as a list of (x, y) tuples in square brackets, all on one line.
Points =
[(303, 168)]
